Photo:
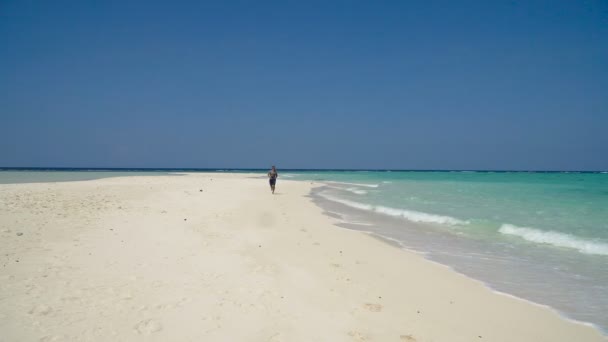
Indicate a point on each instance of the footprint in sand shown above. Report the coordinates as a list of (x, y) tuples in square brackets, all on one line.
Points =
[(373, 307), (41, 310), (408, 338), (148, 326), (276, 338), (357, 336)]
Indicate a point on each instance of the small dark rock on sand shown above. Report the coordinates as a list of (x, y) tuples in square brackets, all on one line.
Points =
[(19, 234)]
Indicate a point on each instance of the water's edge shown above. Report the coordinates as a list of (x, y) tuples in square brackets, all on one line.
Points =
[(318, 201)]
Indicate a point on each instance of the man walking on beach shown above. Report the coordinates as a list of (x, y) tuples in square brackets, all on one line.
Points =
[(272, 176)]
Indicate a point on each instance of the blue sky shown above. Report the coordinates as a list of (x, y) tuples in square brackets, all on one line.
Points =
[(305, 84)]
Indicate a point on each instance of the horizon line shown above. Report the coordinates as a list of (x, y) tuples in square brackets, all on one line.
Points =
[(228, 169)]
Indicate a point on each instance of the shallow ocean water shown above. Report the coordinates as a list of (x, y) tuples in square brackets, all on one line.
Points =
[(542, 237)]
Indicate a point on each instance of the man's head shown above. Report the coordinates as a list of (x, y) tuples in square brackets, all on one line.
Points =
[(273, 167)]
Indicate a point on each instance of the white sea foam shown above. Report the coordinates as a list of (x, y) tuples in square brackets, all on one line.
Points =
[(346, 202), (417, 216), (360, 223), (556, 239), (356, 191), (410, 215), (353, 190), (355, 184)]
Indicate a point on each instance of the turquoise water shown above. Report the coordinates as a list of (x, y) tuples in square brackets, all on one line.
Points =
[(540, 236), (572, 204)]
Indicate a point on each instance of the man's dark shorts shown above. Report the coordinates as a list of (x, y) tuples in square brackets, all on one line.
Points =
[(273, 181)]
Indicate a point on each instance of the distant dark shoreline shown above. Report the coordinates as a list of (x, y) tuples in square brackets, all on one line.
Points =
[(126, 169)]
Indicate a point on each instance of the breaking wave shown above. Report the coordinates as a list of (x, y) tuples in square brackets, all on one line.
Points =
[(355, 184), (556, 239), (410, 215), (356, 191)]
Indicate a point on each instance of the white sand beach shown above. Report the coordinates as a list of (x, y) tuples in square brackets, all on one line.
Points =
[(216, 257)]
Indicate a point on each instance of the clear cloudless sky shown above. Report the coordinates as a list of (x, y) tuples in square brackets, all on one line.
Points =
[(305, 84)]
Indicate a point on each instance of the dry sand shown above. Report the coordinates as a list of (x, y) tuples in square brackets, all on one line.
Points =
[(156, 259)]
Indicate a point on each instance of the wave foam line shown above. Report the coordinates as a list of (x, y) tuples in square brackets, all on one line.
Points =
[(556, 239), (355, 184), (353, 190), (410, 215), (356, 191)]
